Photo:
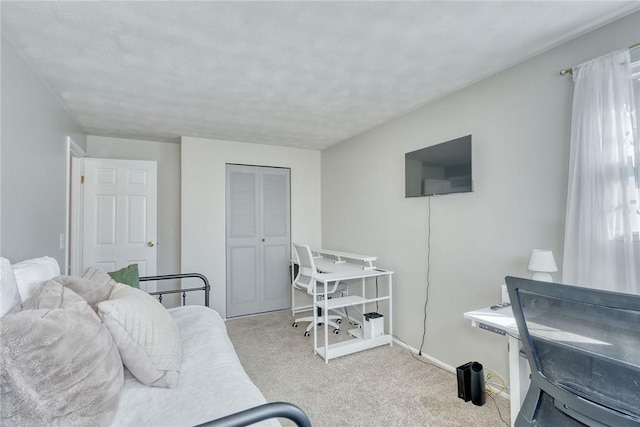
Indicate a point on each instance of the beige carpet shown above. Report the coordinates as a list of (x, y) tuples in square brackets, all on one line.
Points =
[(385, 386)]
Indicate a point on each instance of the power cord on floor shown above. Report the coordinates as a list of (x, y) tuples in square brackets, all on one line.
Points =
[(498, 408), (491, 392)]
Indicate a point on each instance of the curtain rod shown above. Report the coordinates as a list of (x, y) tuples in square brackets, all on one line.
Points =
[(570, 71)]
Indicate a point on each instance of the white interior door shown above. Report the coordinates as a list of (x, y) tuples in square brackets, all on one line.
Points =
[(258, 239), (120, 215)]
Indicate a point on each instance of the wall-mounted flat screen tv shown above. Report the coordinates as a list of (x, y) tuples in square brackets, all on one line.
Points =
[(443, 168)]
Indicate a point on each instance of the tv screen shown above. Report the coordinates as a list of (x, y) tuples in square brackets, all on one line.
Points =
[(443, 168)]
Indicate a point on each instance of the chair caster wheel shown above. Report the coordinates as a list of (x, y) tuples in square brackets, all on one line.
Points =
[(294, 324), (336, 331), (306, 333), (339, 321)]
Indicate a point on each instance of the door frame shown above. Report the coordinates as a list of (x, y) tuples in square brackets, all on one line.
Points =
[(73, 236)]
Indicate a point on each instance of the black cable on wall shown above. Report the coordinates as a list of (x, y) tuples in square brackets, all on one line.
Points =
[(426, 301)]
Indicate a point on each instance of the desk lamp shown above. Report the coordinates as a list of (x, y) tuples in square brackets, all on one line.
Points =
[(542, 263)]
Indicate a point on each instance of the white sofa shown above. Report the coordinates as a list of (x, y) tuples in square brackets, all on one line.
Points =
[(212, 383)]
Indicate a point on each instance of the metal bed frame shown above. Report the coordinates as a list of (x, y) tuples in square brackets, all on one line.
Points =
[(206, 288), (248, 416)]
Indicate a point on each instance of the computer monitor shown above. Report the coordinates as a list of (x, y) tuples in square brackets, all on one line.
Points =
[(583, 348)]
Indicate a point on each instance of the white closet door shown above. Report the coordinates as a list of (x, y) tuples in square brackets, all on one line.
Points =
[(258, 239)]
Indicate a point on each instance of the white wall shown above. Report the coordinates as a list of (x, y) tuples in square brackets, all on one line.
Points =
[(203, 201), (520, 122), (168, 157), (34, 162)]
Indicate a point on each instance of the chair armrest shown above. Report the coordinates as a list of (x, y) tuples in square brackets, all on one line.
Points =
[(206, 288), (261, 413)]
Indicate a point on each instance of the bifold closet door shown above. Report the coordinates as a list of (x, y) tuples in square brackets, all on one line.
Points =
[(258, 239)]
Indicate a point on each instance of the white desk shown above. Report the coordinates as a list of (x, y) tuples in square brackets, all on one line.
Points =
[(326, 258), (337, 269), (501, 321)]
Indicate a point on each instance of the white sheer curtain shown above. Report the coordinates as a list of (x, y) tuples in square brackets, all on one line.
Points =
[(601, 247)]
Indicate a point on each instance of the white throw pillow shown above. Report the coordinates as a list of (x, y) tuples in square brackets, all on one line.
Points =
[(32, 272), (146, 335), (9, 296)]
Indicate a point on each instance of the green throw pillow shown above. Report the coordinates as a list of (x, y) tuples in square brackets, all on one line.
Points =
[(128, 275)]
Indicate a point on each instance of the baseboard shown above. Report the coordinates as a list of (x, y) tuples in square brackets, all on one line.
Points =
[(437, 362), (428, 358)]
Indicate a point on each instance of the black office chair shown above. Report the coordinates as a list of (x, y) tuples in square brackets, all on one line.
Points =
[(583, 348)]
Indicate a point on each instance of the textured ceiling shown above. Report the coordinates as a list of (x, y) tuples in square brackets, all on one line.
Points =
[(303, 74)]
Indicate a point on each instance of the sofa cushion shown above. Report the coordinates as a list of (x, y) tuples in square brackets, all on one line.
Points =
[(9, 295), (212, 381), (128, 275), (32, 272), (60, 365), (146, 335)]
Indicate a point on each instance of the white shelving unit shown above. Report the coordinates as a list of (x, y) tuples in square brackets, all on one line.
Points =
[(352, 346), (343, 257), (351, 271), (335, 303)]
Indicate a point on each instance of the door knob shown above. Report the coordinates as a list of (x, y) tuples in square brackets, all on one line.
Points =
[(151, 243)]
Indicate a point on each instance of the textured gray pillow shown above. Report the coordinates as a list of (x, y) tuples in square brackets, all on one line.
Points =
[(92, 291), (96, 275), (59, 364)]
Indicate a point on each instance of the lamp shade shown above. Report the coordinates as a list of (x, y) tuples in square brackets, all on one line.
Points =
[(542, 261)]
